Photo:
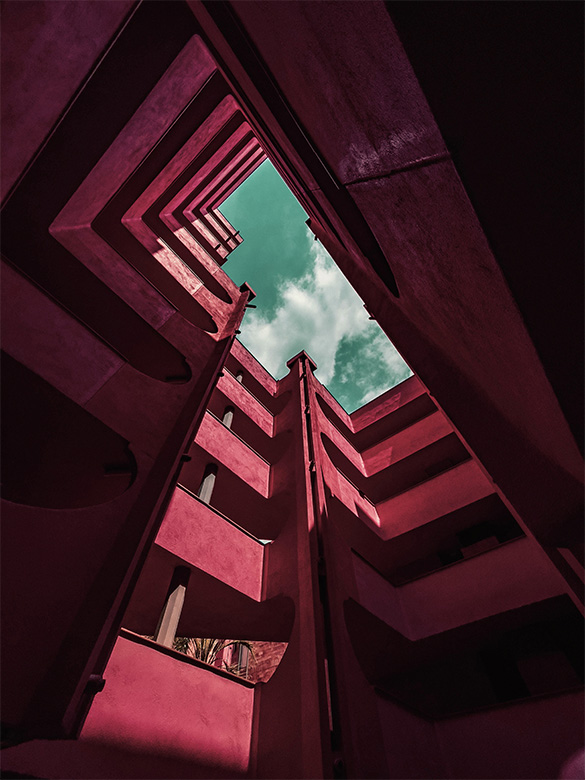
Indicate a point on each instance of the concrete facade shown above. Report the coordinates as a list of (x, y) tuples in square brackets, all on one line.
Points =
[(420, 561)]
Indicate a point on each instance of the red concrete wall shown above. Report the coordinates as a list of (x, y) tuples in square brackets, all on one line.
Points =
[(504, 578), (523, 740), (157, 717), (204, 539), (163, 705), (432, 498), (62, 40), (411, 743), (225, 447), (446, 307), (135, 327)]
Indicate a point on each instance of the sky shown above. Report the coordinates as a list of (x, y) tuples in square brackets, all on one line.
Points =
[(303, 300)]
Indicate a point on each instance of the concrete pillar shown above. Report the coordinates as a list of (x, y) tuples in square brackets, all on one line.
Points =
[(169, 620), (228, 416), (207, 483)]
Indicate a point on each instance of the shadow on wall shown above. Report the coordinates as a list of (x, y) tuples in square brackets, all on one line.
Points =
[(62, 457), (89, 758)]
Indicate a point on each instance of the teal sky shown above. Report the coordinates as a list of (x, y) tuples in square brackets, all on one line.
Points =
[(303, 300)]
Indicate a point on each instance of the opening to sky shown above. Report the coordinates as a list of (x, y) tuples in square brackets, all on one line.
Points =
[(303, 300)]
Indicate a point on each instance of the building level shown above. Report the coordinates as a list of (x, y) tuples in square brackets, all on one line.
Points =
[(396, 593)]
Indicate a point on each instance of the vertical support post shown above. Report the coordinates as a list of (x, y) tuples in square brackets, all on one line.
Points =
[(228, 416), (171, 614), (207, 483), (243, 660)]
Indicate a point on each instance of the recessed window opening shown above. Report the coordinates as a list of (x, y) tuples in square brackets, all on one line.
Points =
[(240, 377), (303, 301)]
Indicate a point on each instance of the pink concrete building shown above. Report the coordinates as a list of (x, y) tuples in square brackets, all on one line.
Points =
[(416, 566)]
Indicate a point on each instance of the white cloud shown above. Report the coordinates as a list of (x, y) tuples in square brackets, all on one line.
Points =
[(315, 313), (320, 312), (392, 367), (376, 366)]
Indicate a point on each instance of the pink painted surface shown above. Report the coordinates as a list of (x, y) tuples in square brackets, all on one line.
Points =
[(245, 401), (387, 403), (159, 705), (107, 264), (379, 597), (525, 740), (405, 443), (349, 495), (330, 401), (72, 227), (218, 225), (253, 162), (202, 538), (220, 311), (359, 96), (53, 577), (456, 322), (41, 335), (343, 489), (486, 306), (254, 367), (433, 498), (183, 78), (333, 433), (209, 167), (166, 709), (61, 40), (574, 767), (411, 744), (224, 446), (391, 449), (232, 172), (203, 135), (504, 578)]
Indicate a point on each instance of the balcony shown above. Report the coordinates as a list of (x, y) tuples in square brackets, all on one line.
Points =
[(206, 539), (429, 500), (162, 708)]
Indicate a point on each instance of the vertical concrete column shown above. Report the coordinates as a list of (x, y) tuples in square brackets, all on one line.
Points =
[(228, 416), (243, 660), (207, 483), (171, 614)]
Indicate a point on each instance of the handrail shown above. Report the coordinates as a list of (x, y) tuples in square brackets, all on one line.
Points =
[(224, 517)]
